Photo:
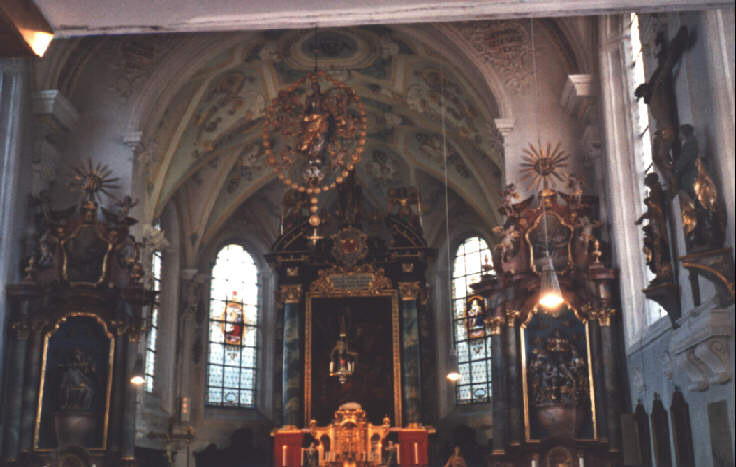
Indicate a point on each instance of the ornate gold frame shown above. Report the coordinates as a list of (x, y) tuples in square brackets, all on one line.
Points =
[(380, 286), (110, 365), (591, 381), (534, 226), (65, 257)]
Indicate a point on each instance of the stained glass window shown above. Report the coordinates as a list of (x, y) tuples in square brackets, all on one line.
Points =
[(150, 366), (233, 328), (643, 163), (472, 342)]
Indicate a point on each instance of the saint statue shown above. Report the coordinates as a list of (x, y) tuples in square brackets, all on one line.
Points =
[(456, 459), (77, 382), (656, 237)]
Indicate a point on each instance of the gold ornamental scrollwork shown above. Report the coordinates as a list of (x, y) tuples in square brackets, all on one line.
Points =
[(409, 291), (340, 281), (604, 316), (496, 324), (291, 293)]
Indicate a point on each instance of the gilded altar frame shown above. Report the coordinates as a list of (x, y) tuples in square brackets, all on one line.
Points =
[(376, 285), (591, 381), (108, 389)]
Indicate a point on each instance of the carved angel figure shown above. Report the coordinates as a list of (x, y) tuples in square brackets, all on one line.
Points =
[(508, 241)]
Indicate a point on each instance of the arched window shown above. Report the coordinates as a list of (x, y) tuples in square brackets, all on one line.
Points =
[(472, 342), (150, 366), (233, 329)]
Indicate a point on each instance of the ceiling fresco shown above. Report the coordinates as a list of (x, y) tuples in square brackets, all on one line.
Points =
[(209, 139)]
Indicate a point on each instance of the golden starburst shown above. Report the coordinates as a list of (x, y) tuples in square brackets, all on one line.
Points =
[(93, 179), (541, 165)]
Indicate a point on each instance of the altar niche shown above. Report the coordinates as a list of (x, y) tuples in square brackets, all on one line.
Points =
[(372, 327)]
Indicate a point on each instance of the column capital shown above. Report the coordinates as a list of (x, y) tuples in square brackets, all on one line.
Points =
[(511, 317), (496, 324), (505, 125), (578, 95), (291, 293), (55, 111), (409, 290), (604, 316)]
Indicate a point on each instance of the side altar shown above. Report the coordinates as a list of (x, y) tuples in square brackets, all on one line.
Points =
[(352, 289)]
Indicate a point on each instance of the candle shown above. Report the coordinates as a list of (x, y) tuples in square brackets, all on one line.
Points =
[(320, 452), (398, 454), (284, 450), (416, 453), (581, 461), (534, 463)]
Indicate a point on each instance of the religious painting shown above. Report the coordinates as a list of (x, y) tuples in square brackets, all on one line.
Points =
[(85, 256), (550, 234), (232, 322), (76, 379), (370, 329), (557, 376)]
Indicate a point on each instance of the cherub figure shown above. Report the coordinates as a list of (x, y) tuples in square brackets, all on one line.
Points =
[(509, 195), (508, 240)]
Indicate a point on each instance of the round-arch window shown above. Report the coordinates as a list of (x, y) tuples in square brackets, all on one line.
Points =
[(233, 329), (472, 342)]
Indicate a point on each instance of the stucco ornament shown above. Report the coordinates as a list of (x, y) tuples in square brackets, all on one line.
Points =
[(503, 45)]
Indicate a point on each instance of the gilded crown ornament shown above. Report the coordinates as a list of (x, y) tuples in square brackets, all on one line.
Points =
[(314, 138)]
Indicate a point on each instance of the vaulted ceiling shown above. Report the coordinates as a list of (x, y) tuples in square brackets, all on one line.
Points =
[(209, 139)]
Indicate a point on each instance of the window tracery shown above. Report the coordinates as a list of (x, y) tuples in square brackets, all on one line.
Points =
[(233, 328), (472, 342)]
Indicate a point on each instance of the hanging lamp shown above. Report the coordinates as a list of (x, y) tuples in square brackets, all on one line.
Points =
[(545, 164)]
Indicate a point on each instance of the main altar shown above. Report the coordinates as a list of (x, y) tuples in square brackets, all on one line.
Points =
[(353, 294)]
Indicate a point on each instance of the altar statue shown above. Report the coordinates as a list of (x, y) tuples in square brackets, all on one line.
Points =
[(456, 459)]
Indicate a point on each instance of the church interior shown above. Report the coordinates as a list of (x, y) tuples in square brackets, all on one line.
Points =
[(301, 234)]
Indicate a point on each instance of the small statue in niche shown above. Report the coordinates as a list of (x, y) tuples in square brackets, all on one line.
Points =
[(656, 243), (702, 215), (77, 382), (659, 95)]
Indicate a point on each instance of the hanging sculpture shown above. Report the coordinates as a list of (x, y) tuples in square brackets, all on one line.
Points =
[(312, 138)]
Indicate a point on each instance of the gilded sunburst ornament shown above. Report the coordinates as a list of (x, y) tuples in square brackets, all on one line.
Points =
[(541, 166), (93, 179)]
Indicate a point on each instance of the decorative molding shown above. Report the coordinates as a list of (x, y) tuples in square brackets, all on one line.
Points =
[(700, 345), (577, 96)]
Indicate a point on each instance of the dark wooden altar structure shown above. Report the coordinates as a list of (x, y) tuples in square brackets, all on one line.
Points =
[(360, 274), (75, 324), (556, 397)]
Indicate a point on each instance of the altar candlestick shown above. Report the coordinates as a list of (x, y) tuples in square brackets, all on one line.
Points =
[(416, 453)]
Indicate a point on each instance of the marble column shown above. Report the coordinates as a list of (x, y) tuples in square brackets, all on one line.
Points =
[(608, 351), (120, 386), (513, 371), (31, 380), (292, 394), (14, 169), (14, 401), (599, 380), (498, 377), (411, 390), (127, 435)]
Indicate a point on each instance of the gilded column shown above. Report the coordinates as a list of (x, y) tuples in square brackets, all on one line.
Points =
[(410, 352), (31, 380), (499, 401), (513, 364), (291, 295), (609, 376)]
